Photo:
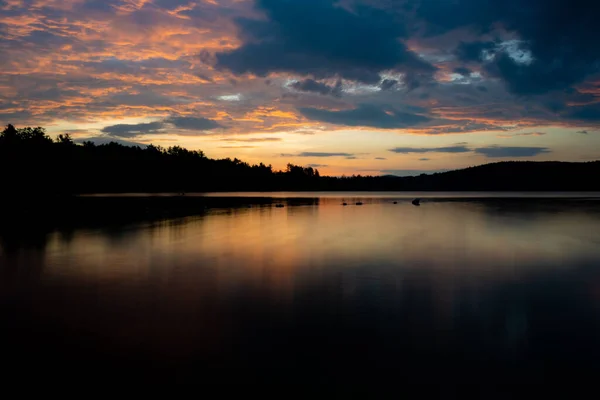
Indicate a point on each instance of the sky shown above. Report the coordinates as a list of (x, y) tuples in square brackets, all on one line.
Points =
[(367, 87)]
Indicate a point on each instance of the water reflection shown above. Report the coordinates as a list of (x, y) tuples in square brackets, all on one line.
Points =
[(450, 288)]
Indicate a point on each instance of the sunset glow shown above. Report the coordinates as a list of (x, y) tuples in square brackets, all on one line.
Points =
[(352, 87)]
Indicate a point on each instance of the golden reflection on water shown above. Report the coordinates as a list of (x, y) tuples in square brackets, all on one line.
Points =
[(278, 243), (176, 287)]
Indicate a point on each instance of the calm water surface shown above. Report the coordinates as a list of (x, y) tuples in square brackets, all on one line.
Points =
[(451, 290)]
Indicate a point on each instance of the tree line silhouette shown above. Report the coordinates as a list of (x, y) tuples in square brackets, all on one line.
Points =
[(32, 163)]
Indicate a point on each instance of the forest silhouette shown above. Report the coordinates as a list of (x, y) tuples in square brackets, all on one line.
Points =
[(34, 164)]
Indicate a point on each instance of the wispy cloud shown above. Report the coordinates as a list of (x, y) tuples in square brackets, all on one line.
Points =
[(531, 134), (448, 149), (515, 152), (132, 130), (318, 154), (366, 115), (489, 151), (184, 123), (193, 123), (506, 136)]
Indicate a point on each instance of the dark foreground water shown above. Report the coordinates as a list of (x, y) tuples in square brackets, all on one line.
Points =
[(474, 292)]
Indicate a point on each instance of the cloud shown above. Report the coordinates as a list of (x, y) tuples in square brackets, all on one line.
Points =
[(310, 85), (524, 66), (380, 158), (462, 71), (563, 53), (230, 97), (440, 127), (133, 130), (506, 136), (472, 51), (388, 84), (322, 39), (490, 151), (366, 115), (193, 123), (583, 132), (531, 134), (448, 149), (588, 113), (317, 165), (317, 154), (515, 152), (184, 123)]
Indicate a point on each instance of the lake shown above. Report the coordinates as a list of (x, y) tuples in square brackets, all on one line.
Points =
[(464, 288)]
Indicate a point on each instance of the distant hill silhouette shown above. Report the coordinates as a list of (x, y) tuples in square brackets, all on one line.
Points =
[(33, 164), (512, 176)]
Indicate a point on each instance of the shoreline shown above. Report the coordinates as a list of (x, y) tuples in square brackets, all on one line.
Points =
[(107, 209)]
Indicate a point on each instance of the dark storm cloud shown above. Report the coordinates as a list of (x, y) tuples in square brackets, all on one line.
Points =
[(560, 34), (322, 39), (448, 149), (540, 76), (366, 115), (114, 59), (132, 130), (500, 151), (589, 113), (472, 51), (193, 123), (388, 84), (310, 85), (462, 71)]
